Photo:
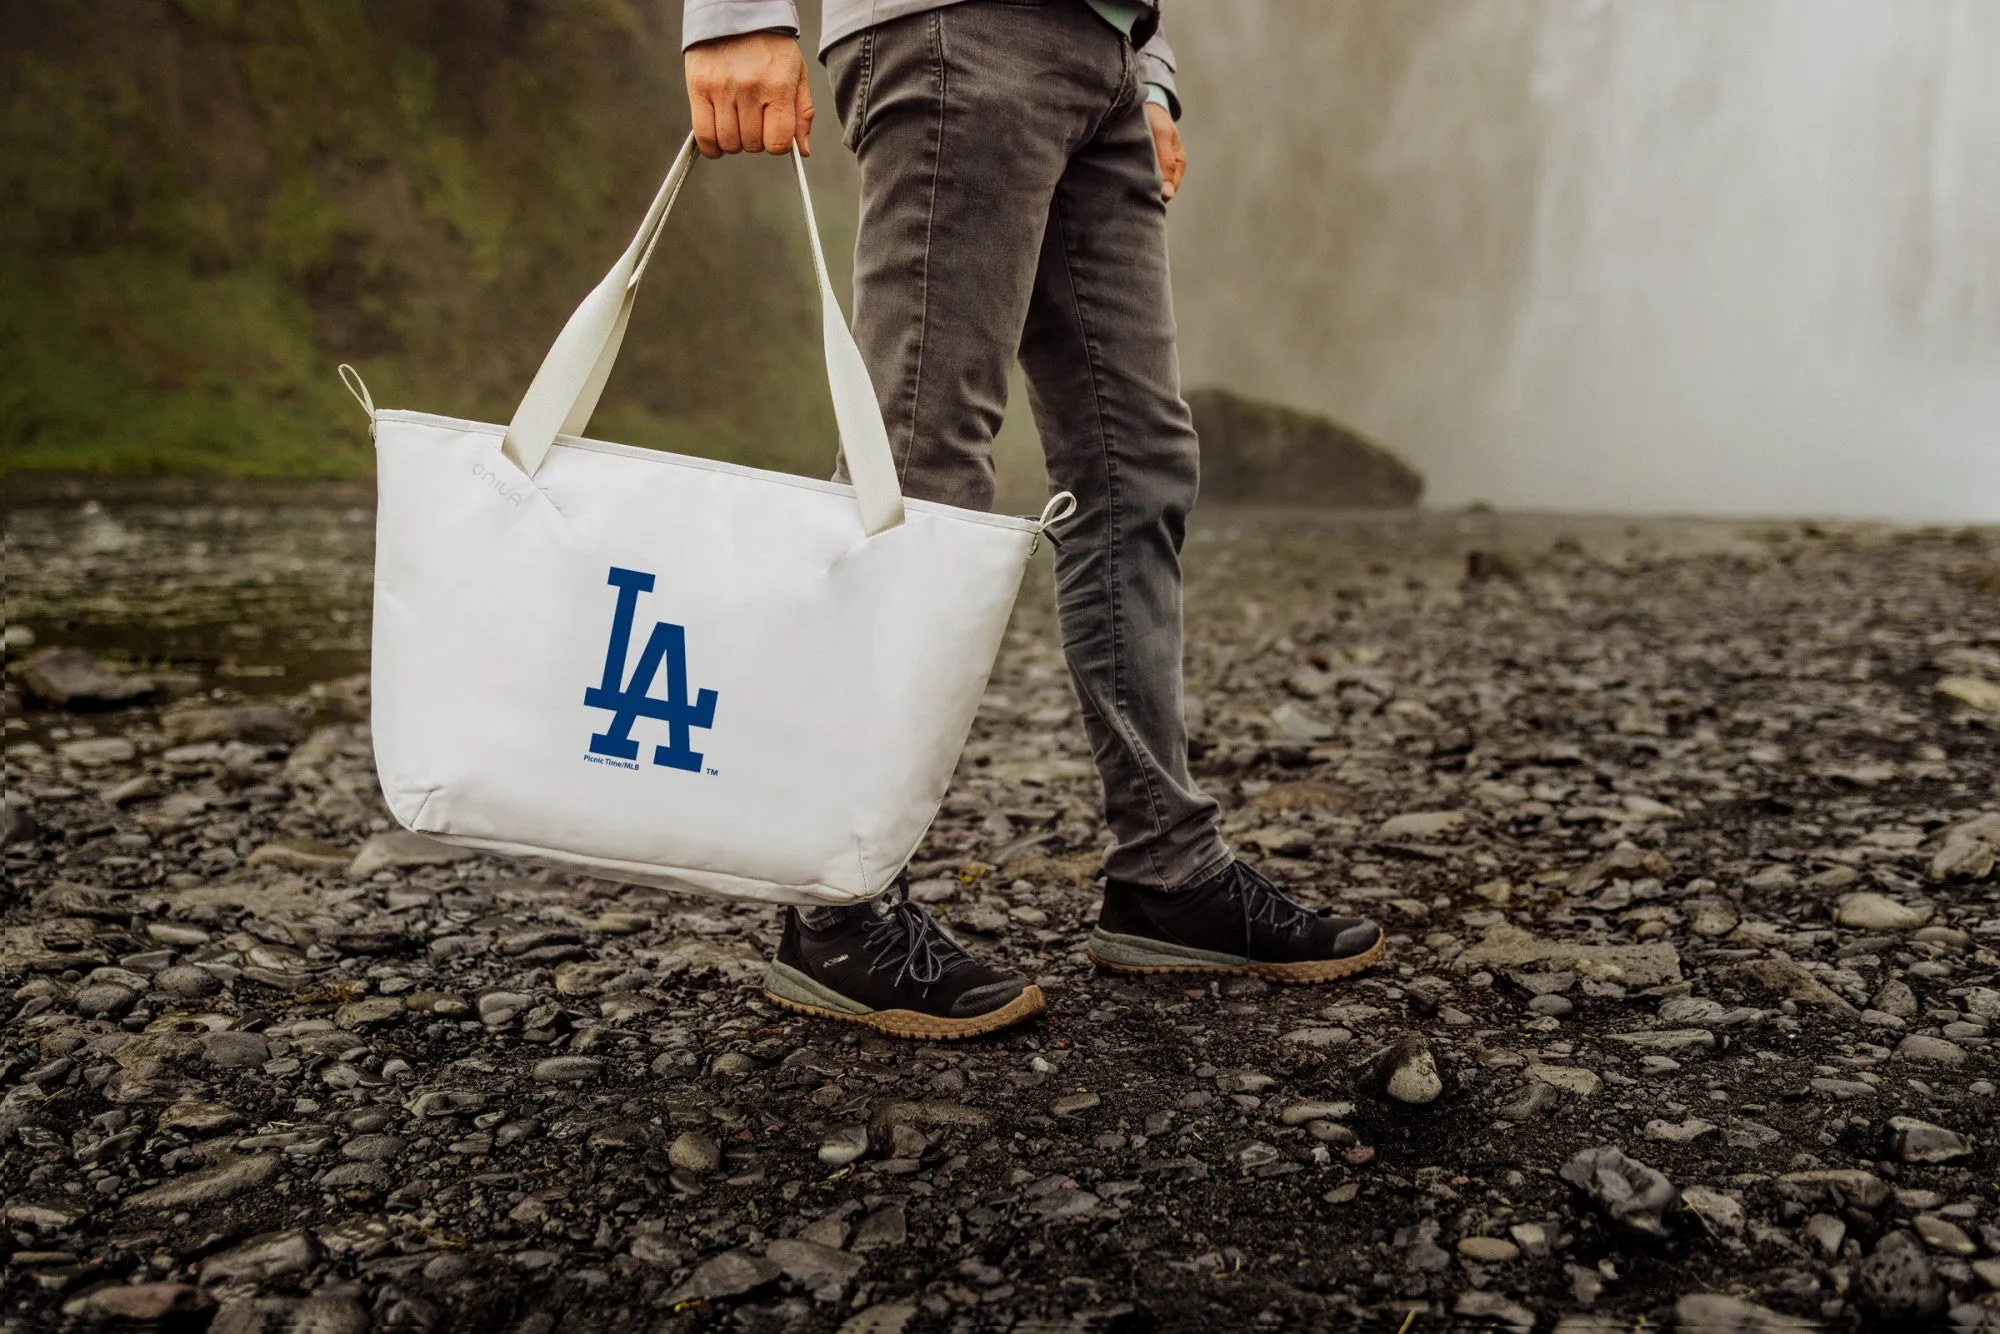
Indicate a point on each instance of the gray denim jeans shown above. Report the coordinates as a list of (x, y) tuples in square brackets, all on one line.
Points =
[(1010, 205)]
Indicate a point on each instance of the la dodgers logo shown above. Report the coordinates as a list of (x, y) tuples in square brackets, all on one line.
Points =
[(631, 701)]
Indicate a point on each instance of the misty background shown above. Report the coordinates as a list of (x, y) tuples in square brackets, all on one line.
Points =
[(1714, 256)]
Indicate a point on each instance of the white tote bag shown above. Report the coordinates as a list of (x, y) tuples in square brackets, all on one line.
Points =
[(667, 670)]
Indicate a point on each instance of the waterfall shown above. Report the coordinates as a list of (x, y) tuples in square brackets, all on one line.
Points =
[(1708, 256)]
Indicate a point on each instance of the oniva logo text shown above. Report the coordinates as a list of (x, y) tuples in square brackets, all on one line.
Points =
[(666, 648), (493, 479)]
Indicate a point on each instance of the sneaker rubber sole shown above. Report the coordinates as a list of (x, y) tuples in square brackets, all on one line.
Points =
[(1138, 954), (795, 991)]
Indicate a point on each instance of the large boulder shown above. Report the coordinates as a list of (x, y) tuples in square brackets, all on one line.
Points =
[(1262, 453), (70, 678)]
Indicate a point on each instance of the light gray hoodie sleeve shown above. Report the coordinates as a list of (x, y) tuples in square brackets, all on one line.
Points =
[(706, 20), (1156, 65)]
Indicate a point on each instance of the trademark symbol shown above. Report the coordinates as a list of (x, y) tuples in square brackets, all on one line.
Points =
[(714, 773)]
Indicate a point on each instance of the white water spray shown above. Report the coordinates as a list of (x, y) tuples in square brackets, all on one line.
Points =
[(1716, 256)]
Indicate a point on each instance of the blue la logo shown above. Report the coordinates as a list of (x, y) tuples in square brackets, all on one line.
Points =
[(629, 702)]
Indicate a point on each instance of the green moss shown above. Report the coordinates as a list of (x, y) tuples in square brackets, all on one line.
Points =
[(205, 205)]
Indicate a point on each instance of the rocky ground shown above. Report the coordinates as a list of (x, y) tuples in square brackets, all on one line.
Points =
[(1684, 836)]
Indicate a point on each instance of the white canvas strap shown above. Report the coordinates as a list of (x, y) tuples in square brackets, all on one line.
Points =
[(565, 390)]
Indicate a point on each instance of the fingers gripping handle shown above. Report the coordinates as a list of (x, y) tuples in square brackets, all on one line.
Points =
[(565, 390)]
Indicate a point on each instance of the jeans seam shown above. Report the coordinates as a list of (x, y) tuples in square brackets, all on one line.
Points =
[(934, 22), (867, 89), (1111, 494)]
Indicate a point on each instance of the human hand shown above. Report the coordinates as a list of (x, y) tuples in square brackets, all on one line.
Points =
[(748, 94), (1167, 144)]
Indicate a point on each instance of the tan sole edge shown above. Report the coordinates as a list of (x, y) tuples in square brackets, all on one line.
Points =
[(930, 1027), (1303, 973)]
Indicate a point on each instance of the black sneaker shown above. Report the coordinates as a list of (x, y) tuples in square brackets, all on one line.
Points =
[(893, 969), (1237, 922)]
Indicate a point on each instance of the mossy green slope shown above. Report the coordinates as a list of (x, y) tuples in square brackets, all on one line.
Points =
[(206, 204)]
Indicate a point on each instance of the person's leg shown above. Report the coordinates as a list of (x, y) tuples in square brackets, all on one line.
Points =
[(1104, 379), (962, 120), (1105, 382)]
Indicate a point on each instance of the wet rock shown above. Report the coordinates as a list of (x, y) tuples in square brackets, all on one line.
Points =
[(367, 1013), (1301, 1113), (1506, 946), (1935, 1051), (1895, 999), (695, 1152), (230, 1176), (1626, 1189), (1568, 1078), (187, 982), (363, 1178), (1787, 980), (1712, 917), (881, 1318), (141, 1305), (1723, 1213), (70, 678), (1488, 1250), (1405, 1072), (824, 1271), (329, 1313), (1421, 824), (843, 1145), (1962, 859), (235, 1050), (302, 854), (1072, 1103), (1879, 912), (1941, 1234), (1716, 1313), (567, 1069), (1679, 1132), (1826, 1232), (1898, 1282), (373, 1148), (1476, 1304), (256, 724), (1667, 1039), (400, 850), (262, 1257), (1291, 722), (1974, 692), (1914, 1141), (883, 1229), (200, 1118), (104, 1000), (1840, 1186), (98, 751)]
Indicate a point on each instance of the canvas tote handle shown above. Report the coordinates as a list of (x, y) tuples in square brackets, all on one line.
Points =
[(565, 390)]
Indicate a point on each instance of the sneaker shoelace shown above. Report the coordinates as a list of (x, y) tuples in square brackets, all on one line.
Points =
[(1263, 901), (905, 928)]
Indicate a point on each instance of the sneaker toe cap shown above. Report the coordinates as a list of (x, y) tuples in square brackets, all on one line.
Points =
[(986, 998), (1356, 937)]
